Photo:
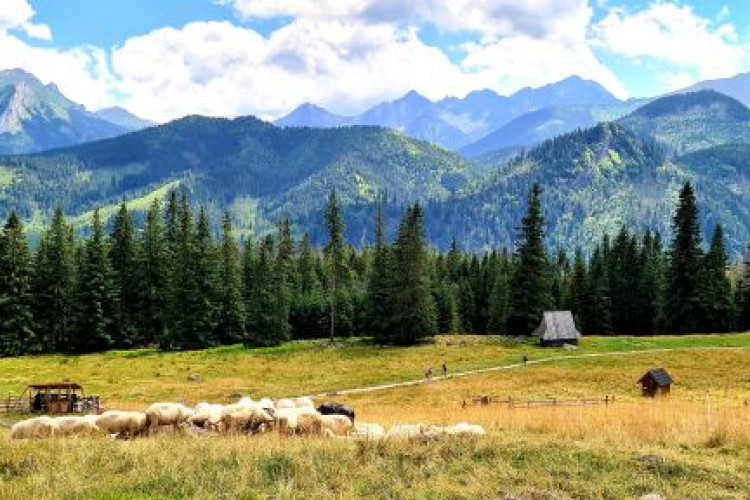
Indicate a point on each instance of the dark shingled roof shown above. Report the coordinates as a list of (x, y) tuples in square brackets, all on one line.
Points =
[(557, 325), (56, 385), (660, 376)]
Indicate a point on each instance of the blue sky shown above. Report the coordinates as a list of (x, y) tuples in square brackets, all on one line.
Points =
[(164, 59)]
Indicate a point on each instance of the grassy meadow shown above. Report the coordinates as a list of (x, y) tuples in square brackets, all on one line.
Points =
[(693, 444)]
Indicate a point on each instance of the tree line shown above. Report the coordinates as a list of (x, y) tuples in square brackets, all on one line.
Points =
[(171, 282)]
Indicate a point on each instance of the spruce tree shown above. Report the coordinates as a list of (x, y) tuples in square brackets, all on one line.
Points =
[(283, 279), (96, 294), (597, 307), (334, 250), (154, 276), (54, 285), (414, 314), (717, 308), (125, 256), (16, 300), (379, 295), (577, 290), (530, 286), (309, 314), (260, 298), (500, 300), (230, 326), (682, 301)]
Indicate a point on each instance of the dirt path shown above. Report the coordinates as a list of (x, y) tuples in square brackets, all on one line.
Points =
[(513, 366)]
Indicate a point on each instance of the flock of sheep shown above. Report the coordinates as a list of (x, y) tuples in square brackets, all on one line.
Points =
[(297, 416)]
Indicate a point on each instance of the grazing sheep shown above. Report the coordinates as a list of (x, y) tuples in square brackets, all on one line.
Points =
[(123, 423), (338, 425), (267, 403), (367, 431), (304, 402), (285, 403), (309, 423), (206, 415), (464, 429), (408, 431), (172, 414), (33, 428), (236, 418), (78, 426), (336, 409), (245, 400), (287, 419)]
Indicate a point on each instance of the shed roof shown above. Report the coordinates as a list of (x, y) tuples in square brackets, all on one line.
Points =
[(56, 385), (557, 325), (660, 376)]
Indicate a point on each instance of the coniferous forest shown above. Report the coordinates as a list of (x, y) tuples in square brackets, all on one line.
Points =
[(171, 282)]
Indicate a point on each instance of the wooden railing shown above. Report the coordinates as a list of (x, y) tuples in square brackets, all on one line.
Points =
[(540, 403)]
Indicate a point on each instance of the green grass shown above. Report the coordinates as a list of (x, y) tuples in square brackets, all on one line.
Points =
[(697, 441)]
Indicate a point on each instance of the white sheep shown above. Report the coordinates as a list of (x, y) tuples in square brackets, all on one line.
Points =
[(338, 425), (245, 400), (173, 414), (206, 415), (267, 403), (123, 423), (285, 403), (70, 426), (362, 430), (464, 429), (408, 431), (304, 402), (236, 418), (287, 419), (33, 428)]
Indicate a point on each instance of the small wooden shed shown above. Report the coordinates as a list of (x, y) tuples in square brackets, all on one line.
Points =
[(655, 381), (56, 397), (556, 329)]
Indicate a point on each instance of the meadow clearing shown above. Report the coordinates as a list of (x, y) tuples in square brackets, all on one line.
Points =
[(693, 444)]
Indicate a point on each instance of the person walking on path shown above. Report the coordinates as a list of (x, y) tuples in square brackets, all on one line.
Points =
[(445, 370), (428, 374), (525, 359)]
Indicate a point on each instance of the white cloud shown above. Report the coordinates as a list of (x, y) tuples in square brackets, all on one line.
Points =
[(17, 14), (673, 34)]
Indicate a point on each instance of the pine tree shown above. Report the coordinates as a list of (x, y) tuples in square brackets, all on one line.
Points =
[(96, 294), (649, 315), (260, 301), (309, 315), (624, 274), (682, 302), (717, 309), (283, 283), (154, 276), (379, 295), (125, 256), (500, 301), (54, 285), (530, 289), (446, 307), (16, 300), (334, 251), (230, 328), (414, 314), (577, 290), (597, 308)]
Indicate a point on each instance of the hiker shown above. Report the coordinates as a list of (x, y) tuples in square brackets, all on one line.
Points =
[(445, 370), (525, 359), (428, 373)]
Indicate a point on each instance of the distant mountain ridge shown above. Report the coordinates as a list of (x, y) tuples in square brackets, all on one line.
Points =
[(456, 122), (35, 117)]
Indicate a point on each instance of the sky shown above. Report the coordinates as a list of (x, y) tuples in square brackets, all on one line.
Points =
[(163, 59)]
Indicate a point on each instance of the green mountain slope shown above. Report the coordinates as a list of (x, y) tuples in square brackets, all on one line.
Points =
[(691, 122), (245, 164)]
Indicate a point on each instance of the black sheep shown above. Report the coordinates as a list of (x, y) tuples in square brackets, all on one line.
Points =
[(336, 409)]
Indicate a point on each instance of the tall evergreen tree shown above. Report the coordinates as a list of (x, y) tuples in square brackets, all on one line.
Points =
[(379, 295), (334, 250), (154, 275), (530, 286), (283, 283), (96, 294), (682, 302), (259, 295), (597, 308), (230, 326), (717, 308), (54, 285), (413, 304), (125, 256), (500, 300), (16, 300), (577, 290)]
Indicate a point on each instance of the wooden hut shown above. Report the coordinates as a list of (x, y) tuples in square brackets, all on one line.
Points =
[(655, 381), (57, 397), (556, 329)]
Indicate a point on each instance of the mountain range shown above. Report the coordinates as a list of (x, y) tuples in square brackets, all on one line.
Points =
[(625, 169), (458, 123), (35, 117)]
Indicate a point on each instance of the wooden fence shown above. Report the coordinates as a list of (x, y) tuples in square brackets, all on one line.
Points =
[(540, 403), (14, 405)]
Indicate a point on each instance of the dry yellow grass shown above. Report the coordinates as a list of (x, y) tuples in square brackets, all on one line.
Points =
[(694, 444)]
